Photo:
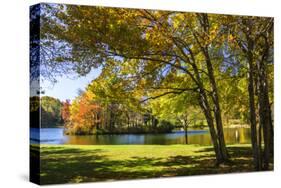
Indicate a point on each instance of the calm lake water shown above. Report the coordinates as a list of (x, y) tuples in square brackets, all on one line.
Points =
[(201, 137)]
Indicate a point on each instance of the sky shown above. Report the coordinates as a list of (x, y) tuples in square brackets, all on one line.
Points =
[(67, 88)]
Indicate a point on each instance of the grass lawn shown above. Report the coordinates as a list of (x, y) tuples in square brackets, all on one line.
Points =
[(88, 163)]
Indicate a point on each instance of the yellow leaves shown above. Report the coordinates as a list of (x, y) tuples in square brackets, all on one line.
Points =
[(147, 36), (157, 36), (231, 38), (90, 94), (111, 26), (211, 36), (178, 20), (142, 83), (176, 23), (214, 31)]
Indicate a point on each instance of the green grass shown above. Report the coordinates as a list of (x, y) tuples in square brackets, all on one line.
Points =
[(84, 163)]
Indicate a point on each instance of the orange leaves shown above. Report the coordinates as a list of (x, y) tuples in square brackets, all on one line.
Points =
[(65, 111), (85, 112)]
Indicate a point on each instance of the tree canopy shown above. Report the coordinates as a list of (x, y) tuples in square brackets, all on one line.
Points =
[(218, 66)]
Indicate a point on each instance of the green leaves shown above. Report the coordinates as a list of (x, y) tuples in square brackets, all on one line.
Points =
[(157, 55)]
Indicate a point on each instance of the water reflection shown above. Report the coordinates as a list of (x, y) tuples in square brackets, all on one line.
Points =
[(201, 137)]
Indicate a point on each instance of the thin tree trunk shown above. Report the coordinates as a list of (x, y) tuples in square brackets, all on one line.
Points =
[(186, 138), (185, 131)]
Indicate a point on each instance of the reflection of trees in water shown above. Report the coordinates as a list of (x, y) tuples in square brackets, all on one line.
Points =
[(238, 135), (201, 139), (232, 136)]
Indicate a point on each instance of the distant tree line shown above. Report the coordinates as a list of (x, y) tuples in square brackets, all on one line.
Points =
[(48, 109), (88, 115)]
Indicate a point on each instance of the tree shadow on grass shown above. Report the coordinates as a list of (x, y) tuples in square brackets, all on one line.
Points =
[(73, 165), (241, 159)]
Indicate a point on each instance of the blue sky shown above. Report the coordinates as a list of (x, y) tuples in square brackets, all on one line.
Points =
[(67, 88)]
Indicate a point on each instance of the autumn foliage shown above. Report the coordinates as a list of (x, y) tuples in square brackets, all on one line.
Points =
[(65, 111), (85, 115)]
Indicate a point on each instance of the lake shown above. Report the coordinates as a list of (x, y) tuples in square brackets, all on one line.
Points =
[(201, 137)]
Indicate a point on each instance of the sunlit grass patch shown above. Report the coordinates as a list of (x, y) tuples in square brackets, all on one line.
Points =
[(86, 163)]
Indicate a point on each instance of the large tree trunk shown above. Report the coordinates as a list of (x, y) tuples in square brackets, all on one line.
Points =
[(218, 119), (204, 22), (217, 110), (264, 111), (266, 131), (253, 122), (217, 134), (271, 132), (204, 104)]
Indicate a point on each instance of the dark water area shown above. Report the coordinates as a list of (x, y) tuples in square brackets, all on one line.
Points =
[(200, 137)]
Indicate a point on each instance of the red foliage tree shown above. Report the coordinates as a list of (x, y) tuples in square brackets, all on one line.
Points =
[(65, 111)]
